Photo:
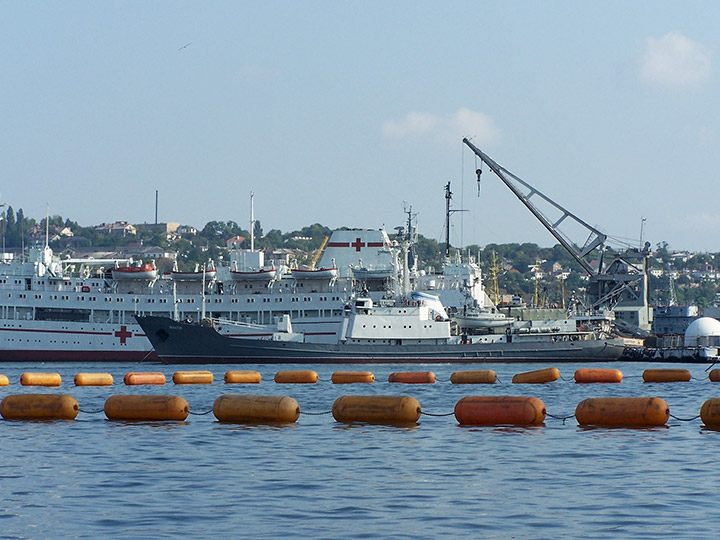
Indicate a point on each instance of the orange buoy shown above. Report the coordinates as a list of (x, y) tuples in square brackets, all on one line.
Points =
[(93, 379), (622, 411), (475, 376), (666, 375), (242, 377), (149, 407), (494, 410), (144, 377), (349, 377), (714, 375), (710, 412), (4, 381), (395, 410), (39, 407), (598, 376), (539, 376), (296, 377), (192, 377), (412, 377), (255, 409), (40, 379)]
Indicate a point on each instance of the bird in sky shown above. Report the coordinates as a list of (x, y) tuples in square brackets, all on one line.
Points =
[(185, 46)]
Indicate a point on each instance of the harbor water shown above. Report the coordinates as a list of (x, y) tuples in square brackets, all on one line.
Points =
[(316, 478)]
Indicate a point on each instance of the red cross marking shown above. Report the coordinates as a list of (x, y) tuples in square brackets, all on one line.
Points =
[(123, 334), (357, 244)]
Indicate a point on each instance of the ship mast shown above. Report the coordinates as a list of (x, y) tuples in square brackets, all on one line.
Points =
[(252, 222), (448, 211)]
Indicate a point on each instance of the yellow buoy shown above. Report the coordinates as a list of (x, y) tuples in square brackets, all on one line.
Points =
[(349, 377), (412, 377), (150, 407), (666, 375), (714, 375), (192, 377), (4, 381), (396, 410), (242, 377), (475, 376), (255, 409), (40, 379), (710, 412), (539, 376), (296, 377), (497, 410), (141, 378), (622, 411), (39, 407), (93, 379), (585, 376)]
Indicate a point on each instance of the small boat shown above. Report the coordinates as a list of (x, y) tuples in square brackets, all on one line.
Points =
[(477, 318), (198, 275), (145, 272), (253, 275), (318, 273)]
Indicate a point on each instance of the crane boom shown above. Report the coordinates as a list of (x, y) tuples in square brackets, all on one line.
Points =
[(596, 239)]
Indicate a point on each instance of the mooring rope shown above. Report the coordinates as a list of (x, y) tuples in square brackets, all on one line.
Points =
[(91, 412), (200, 413), (431, 414), (315, 413), (563, 418), (685, 419)]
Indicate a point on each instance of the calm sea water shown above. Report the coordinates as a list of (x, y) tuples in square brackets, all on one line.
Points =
[(92, 478)]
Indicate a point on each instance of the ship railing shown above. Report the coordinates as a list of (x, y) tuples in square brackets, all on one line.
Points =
[(239, 324)]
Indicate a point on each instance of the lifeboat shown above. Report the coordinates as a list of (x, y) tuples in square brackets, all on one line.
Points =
[(144, 272), (253, 275), (197, 275), (319, 273)]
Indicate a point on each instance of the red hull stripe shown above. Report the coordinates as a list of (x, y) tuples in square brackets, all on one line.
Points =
[(78, 356), (37, 330), (338, 244)]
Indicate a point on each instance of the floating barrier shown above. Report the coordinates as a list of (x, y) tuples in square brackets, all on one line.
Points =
[(495, 410), (192, 377), (144, 377), (710, 412), (350, 377), (623, 411), (412, 377), (539, 376), (242, 377), (395, 410), (255, 409), (666, 375), (40, 379), (714, 375), (39, 407), (93, 379), (296, 377), (586, 376), (4, 381), (476, 376), (136, 407)]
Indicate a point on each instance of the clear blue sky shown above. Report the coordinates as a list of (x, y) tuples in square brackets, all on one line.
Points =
[(337, 112)]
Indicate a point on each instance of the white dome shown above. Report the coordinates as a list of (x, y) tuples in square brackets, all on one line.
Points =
[(700, 331)]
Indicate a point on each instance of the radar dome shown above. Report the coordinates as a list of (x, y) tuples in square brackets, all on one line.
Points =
[(703, 332)]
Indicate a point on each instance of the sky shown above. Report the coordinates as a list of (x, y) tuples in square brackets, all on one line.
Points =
[(346, 113)]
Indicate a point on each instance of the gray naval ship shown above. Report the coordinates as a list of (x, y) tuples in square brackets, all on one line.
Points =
[(411, 329)]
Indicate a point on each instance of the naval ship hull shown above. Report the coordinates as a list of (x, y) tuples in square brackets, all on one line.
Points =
[(188, 343)]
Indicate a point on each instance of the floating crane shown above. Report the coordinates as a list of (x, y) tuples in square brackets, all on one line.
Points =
[(621, 286)]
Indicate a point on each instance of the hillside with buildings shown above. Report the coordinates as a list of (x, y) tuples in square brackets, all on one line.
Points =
[(542, 276)]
